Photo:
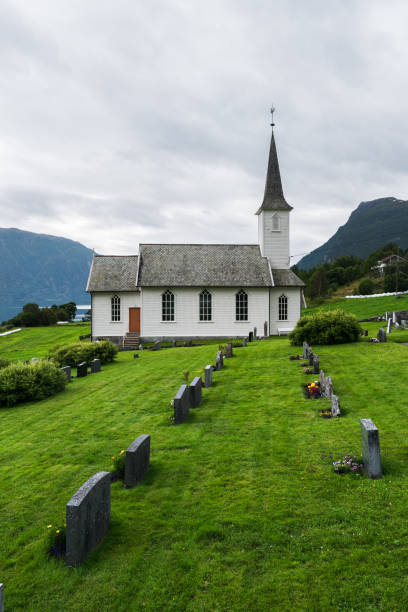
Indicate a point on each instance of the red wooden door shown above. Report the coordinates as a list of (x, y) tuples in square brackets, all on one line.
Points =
[(134, 320)]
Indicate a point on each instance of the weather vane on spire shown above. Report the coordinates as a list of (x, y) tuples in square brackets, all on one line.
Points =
[(272, 111)]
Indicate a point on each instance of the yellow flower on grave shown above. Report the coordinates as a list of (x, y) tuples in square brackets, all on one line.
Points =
[(113, 458), (121, 452), (57, 531), (49, 526)]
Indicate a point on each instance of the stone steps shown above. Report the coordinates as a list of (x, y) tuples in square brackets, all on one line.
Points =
[(131, 340)]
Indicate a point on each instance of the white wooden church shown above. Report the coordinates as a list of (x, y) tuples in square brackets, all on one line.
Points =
[(190, 291)]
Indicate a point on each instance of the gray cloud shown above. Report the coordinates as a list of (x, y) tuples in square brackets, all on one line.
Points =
[(127, 122)]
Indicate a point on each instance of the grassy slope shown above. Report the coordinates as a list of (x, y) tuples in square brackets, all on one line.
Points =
[(240, 510), (364, 307), (37, 341)]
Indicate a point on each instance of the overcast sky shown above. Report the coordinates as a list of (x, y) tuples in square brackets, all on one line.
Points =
[(128, 121)]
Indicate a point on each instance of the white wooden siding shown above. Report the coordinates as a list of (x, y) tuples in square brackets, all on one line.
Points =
[(187, 323), (102, 325), (293, 294), (274, 245)]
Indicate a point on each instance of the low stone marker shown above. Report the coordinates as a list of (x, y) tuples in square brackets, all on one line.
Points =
[(255, 333), (67, 372), (389, 324), (335, 406), (95, 366), (208, 370), (219, 360), (195, 392), (135, 355), (87, 517), (137, 461), (250, 336), (370, 442), (181, 405), (316, 368), (382, 335), (305, 350), (228, 350), (157, 346), (265, 330), (82, 369), (1, 598), (174, 343), (244, 341)]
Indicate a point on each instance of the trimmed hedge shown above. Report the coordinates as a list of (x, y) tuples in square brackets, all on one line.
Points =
[(326, 327), (21, 382), (77, 352)]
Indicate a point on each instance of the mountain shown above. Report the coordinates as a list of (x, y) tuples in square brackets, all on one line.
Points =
[(370, 226), (40, 268)]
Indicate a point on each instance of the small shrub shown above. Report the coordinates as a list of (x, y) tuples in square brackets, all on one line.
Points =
[(57, 538), (77, 352), (366, 287), (326, 327), (21, 382), (4, 363), (185, 376), (119, 466)]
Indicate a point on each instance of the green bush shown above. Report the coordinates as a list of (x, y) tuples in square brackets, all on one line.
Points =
[(330, 327), (77, 352), (4, 363), (21, 382), (366, 287)]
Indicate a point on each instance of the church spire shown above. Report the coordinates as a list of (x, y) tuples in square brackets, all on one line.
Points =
[(273, 197)]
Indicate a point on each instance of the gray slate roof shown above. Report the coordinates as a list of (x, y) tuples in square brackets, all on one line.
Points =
[(113, 273), (273, 197), (286, 278), (203, 265)]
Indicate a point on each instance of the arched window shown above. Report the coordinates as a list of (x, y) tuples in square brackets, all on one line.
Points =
[(115, 308), (168, 306), (241, 306), (276, 223), (205, 306), (283, 308)]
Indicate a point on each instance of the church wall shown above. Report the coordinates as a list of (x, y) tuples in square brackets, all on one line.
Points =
[(102, 326), (274, 245), (294, 301), (187, 322)]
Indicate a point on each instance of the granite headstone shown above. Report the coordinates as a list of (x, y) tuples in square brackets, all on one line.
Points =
[(181, 405), (137, 461), (208, 370), (67, 372), (370, 441), (196, 392), (82, 369), (95, 366)]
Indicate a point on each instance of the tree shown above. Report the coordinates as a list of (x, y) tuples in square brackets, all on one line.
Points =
[(318, 283)]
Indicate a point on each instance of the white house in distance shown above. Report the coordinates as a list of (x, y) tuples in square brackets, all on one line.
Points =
[(191, 291)]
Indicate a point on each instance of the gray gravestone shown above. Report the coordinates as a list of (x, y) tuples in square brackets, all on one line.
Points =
[(255, 333), (389, 326), (250, 336), (174, 343), (157, 346), (219, 361), (140, 347), (95, 366), (181, 405), (244, 341), (365, 332), (316, 369), (386, 316), (135, 355), (382, 336), (137, 461), (82, 369), (335, 406), (328, 392), (208, 370), (310, 356), (195, 392), (404, 323), (228, 350), (265, 329), (305, 350), (67, 372), (394, 317), (322, 380), (370, 441), (87, 517), (1, 598)]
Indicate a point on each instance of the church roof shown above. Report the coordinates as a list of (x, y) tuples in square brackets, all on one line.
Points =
[(113, 273), (286, 278), (203, 265), (273, 196)]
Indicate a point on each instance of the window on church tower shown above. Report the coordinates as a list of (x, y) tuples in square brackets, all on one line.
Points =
[(115, 308), (276, 225), (241, 306), (168, 306), (205, 306), (283, 308)]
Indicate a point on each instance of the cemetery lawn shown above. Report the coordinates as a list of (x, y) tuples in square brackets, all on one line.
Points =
[(241, 508), (38, 341), (363, 308)]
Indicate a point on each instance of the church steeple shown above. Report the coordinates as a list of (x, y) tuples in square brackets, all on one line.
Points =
[(273, 196)]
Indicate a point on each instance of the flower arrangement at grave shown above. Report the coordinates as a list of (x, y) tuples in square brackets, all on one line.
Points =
[(307, 371), (304, 364), (312, 390), (56, 545), (295, 357), (373, 340), (350, 464), (118, 466), (326, 413)]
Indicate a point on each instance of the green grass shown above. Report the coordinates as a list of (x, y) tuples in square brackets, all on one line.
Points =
[(364, 308), (37, 341), (240, 510)]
